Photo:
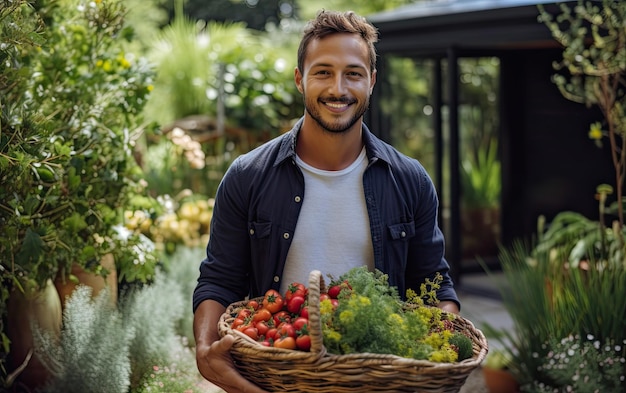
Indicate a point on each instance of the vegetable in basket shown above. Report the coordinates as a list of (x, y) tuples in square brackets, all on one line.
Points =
[(371, 318)]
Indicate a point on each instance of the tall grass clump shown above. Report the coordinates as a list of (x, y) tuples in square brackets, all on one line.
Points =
[(569, 320)]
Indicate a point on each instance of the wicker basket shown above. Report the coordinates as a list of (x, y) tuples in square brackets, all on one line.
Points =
[(282, 370)]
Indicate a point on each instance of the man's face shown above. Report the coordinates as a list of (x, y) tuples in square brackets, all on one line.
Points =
[(336, 81)]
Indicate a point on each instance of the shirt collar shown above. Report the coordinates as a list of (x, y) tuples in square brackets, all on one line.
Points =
[(374, 147)]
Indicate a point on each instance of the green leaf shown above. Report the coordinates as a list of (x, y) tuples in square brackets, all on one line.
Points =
[(73, 179), (32, 246), (75, 223), (61, 149), (89, 252), (30, 204)]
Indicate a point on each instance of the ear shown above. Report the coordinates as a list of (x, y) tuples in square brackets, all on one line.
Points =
[(297, 77)]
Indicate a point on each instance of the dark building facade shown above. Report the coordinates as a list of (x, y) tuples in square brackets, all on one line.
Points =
[(548, 163)]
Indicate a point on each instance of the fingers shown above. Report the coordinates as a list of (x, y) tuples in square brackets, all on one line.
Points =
[(223, 345), (218, 368)]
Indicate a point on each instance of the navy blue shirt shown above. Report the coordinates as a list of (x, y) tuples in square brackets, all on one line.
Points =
[(257, 206)]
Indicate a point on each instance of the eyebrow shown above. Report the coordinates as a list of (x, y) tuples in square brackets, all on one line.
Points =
[(330, 65)]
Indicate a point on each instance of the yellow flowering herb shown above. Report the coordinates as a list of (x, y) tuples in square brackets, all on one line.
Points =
[(371, 318)]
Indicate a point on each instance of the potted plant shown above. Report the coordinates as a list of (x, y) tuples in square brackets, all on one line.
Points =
[(70, 104), (565, 289), (569, 319), (480, 197), (498, 378)]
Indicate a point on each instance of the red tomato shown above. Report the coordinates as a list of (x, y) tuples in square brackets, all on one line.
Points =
[(286, 329), (251, 332), (253, 305), (299, 323), (303, 342), (273, 301), (324, 296), (334, 302), (237, 322), (305, 312), (295, 289), (262, 314), (262, 327), (280, 317), (285, 343), (333, 291), (271, 333), (244, 313), (295, 304)]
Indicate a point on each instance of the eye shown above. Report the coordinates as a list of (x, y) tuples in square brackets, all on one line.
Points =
[(322, 72)]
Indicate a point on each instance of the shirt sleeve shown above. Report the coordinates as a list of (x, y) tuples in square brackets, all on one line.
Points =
[(426, 250), (224, 272)]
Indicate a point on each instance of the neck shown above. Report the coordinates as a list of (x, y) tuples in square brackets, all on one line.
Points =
[(328, 150)]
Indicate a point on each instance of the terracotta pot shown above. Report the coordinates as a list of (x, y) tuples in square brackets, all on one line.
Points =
[(65, 287), (499, 381), (480, 231), (42, 308)]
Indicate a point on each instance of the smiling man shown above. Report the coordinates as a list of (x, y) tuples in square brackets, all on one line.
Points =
[(327, 195)]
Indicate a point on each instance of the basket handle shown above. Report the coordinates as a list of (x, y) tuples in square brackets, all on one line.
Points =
[(316, 285)]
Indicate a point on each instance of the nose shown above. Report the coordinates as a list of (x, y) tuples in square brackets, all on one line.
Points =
[(338, 86)]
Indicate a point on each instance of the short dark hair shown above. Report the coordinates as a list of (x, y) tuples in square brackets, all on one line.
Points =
[(332, 22)]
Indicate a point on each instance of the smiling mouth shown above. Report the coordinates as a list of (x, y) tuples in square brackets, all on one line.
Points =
[(336, 105)]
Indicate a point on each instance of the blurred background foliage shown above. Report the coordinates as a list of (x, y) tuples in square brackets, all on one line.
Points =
[(224, 85)]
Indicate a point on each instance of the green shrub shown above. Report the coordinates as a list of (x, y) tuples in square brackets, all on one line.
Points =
[(92, 354), (152, 312)]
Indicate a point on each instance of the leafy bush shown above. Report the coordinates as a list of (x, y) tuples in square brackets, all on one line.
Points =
[(549, 299), (72, 104), (576, 364)]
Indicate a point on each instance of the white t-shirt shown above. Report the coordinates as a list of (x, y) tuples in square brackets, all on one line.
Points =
[(333, 230)]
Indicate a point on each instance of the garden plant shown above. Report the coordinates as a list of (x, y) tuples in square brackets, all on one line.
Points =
[(565, 288), (71, 102)]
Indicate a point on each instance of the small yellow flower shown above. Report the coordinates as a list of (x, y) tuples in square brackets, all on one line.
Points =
[(364, 301), (595, 131), (333, 335), (99, 63), (326, 307), (444, 355), (346, 316), (396, 319), (124, 63), (106, 66), (150, 88)]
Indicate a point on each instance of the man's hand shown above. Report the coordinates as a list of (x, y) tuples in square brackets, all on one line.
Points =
[(213, 354), (215, 364), (449, 306)]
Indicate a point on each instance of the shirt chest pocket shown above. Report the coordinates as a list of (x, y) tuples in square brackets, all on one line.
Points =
[(402, 231), (259, 230)]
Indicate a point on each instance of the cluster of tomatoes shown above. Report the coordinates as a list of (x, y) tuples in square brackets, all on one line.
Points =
[(279, 320)]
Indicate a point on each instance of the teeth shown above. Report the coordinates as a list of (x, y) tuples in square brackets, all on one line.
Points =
[(336, 105)]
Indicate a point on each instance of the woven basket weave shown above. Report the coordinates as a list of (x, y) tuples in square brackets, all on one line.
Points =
[(283, 370)]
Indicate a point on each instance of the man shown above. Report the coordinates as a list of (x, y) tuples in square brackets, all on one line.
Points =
[(328, 195)]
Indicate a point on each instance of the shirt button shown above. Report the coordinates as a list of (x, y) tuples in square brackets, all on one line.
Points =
[(297, 198), (276, 279), (286, 235), (251, 231), (403, 234)]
